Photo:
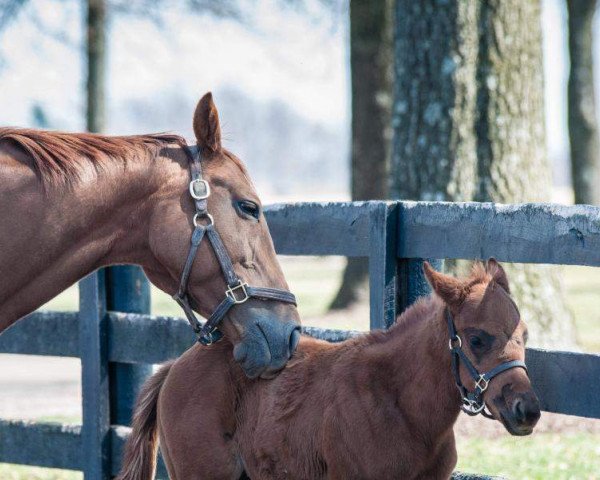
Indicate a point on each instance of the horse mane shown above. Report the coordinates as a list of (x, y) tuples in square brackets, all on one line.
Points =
[(61, 158)]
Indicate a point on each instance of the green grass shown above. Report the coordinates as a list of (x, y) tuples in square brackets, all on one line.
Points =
[(19, 472), (541, 456)]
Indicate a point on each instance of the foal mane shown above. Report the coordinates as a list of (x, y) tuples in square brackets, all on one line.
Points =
[(60, 158)]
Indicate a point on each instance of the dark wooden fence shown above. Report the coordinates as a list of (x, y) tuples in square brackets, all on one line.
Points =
[(395, 236)]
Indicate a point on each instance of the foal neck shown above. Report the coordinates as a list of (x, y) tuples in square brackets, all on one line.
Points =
[(416, 349)]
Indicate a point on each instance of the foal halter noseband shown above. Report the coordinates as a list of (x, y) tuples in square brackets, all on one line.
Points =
[(237, 290), (472, 402)]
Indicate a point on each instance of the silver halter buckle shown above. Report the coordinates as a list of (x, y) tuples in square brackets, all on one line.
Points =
[(238, 294), (199, 189)]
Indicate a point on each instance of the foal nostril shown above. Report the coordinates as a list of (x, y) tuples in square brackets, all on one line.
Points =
[(526, 412), (294, 340), (519, 411)]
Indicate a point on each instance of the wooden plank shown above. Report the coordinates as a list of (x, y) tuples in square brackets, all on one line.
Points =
[(43, 333), (138, 338), (41, 444), (473, 476), (566, 382), (93, 334), (527, 233), (383, 295), (334, 228)]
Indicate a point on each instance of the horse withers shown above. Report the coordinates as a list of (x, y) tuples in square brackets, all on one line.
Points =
[(72, 203), (382, 405)]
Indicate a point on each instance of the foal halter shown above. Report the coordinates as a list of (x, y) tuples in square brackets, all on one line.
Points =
[(237, 290), (472, 402)]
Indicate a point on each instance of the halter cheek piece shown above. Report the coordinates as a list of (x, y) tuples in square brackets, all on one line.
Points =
[(237, 290), (472, 402)]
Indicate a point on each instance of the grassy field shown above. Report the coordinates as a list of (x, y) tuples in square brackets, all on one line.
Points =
[(569, 455)]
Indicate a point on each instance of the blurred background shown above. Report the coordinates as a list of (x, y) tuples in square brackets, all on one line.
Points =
[(324, 100)]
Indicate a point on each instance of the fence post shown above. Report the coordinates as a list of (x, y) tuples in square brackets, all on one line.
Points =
[(412, 283), (382, 264), (93, 338), (127, 290)]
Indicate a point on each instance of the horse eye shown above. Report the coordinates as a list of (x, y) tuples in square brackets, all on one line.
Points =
[(475, 342), (249, 208)]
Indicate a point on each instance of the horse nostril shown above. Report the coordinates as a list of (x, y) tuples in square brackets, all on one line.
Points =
[(294, 339)]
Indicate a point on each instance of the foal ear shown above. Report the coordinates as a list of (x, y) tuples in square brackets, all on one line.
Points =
[(206, 124), (451, 290), (498, 274)]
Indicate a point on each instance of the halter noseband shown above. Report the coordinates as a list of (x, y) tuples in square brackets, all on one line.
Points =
[(237, 290), (472, 402)]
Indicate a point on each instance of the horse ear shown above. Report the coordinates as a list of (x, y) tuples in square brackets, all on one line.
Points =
[(498, 274), (206, 124), (451, 290)]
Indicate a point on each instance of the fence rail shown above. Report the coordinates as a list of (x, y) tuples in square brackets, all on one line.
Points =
[(394, 235)]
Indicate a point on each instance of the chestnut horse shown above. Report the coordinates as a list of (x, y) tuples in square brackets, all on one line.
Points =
[(72, 203), (379, 406)]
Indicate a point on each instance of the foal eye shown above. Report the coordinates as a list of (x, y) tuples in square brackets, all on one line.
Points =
[(249, 208)]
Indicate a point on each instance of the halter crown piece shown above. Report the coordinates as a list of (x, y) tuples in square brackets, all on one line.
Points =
[(237, 290), (472, 402)]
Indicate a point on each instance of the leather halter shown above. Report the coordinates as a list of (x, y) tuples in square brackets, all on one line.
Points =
[(472, 402), (237, 290)]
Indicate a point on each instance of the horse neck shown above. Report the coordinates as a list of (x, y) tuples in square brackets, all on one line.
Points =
[(67, 233), (416, 350)]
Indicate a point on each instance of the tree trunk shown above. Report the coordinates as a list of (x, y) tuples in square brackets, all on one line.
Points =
[(469, 119), (96, 64), (371, 59), (434, 106), (583, 127)]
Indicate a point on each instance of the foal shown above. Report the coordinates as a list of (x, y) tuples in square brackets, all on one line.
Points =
[(375, 407)]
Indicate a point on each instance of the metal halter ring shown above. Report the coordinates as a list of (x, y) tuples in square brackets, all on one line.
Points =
[(200, 215), (199, 196), (452, 340), (240, 287), (472, 407)]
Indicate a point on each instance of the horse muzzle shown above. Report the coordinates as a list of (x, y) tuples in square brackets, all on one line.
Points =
[(266, 344)]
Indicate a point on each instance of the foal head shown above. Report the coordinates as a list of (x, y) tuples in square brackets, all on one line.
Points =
[(265, 332), (491, 332)]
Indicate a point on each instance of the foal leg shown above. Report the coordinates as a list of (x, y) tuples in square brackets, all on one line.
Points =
[(196, 416)]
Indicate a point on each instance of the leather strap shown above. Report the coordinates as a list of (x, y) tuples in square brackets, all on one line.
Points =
[(237, 291), (473, 403)]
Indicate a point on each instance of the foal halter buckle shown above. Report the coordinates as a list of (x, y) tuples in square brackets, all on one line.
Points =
[(237, 291)]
